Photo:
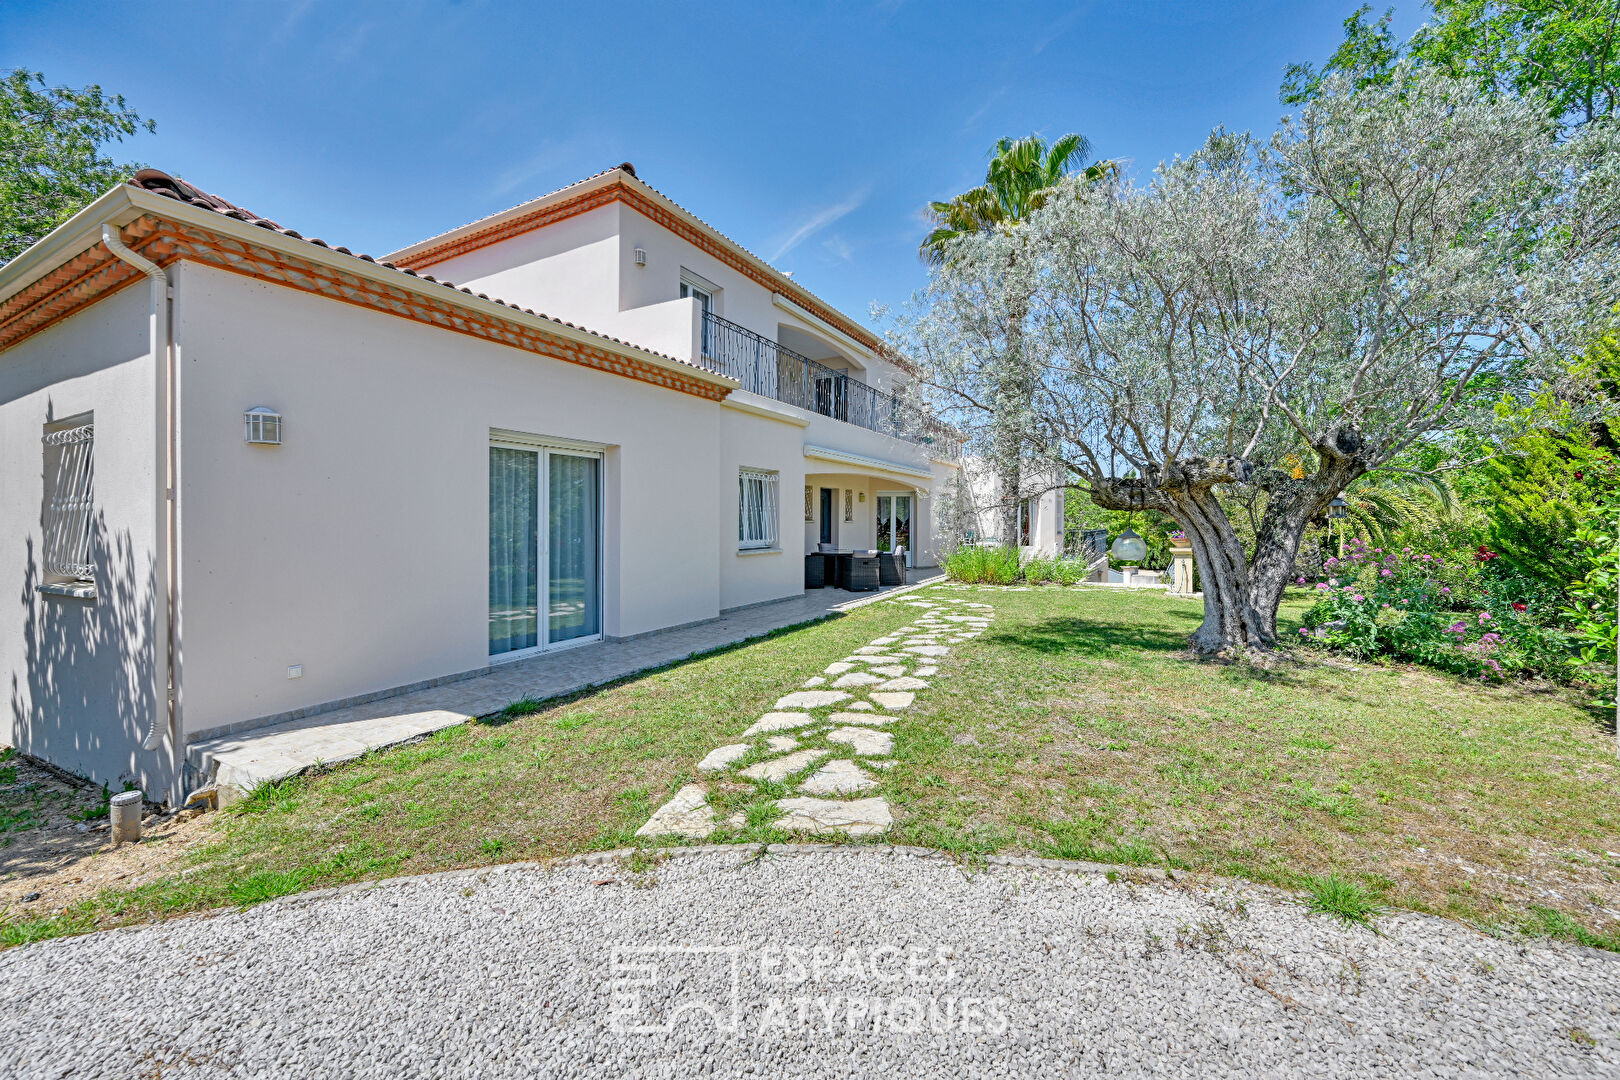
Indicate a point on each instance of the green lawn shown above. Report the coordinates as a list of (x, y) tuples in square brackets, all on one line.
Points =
[(1075, 727)]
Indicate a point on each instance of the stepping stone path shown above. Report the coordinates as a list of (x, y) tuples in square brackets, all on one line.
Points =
[(838, 778), (841, 710)]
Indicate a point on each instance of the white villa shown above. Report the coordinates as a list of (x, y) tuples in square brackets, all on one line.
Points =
[(248, 474)]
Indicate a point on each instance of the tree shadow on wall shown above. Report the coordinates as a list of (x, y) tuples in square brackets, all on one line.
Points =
[(85, 698)]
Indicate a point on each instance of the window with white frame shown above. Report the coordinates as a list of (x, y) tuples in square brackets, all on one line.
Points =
[(756, 509), (69, 476)]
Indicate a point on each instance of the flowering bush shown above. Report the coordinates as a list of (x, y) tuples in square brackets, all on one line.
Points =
[(1460, 615)]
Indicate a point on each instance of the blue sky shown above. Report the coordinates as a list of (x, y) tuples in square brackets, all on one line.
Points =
[(813, 134)]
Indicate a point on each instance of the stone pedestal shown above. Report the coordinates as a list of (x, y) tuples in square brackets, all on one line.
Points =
[(1181, 568)]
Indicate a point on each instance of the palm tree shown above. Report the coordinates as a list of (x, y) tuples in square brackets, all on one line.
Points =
[(1022, 175)]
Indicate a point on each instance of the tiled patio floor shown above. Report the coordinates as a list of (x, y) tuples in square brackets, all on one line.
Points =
[(243, 759)]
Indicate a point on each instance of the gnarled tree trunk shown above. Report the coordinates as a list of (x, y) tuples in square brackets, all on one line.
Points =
[(1241, 592)]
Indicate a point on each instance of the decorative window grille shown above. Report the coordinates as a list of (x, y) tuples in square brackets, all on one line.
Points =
[(849, 504), (69, 470), (262, 425), (756, 509), (809, 508)]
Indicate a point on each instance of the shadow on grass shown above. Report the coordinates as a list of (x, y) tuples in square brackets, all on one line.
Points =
[(1094, 638)]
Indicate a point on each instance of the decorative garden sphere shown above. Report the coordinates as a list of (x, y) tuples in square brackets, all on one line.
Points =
[(1128, 547)]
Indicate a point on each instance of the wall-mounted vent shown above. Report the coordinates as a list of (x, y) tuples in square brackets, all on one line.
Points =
[(641, 256), (262, 426)]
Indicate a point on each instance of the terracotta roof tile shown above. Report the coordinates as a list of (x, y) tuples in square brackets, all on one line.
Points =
[(161, 183)]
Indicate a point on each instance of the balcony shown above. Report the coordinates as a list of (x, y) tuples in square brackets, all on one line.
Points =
[(775, 371)]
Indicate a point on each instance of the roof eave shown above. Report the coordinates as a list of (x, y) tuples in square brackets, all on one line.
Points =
[(81, 231), (124, 203)]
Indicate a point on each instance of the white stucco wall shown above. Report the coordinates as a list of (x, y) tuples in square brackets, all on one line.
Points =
[(77, 673), (583, 269), (359, 548), (568, 270), (1046, 523), (755, 442)]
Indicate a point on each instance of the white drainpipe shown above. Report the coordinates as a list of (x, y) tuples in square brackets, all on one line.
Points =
[(162, 506)]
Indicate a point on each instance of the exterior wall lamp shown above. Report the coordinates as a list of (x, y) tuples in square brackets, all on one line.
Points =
[(262, 426)]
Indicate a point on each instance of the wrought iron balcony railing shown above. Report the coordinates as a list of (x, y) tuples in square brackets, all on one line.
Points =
[(775, 371)]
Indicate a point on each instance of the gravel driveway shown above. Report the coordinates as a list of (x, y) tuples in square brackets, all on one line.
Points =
[(835, 962)]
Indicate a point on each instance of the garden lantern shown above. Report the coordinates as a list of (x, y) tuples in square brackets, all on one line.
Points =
[(1128, 547), (1339, 508)]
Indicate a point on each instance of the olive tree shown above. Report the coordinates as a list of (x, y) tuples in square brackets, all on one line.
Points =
[(1394, 262)]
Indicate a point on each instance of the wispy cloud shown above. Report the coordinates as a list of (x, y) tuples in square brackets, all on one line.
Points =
[(295, 15), (1057, 29), (838, 247), (549, 156), (979, 114), (818, 221), (355, 40)]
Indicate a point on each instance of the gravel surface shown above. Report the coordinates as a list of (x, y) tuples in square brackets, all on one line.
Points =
[(816, 963)]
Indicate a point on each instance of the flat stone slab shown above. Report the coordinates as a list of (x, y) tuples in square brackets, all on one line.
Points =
[(871, 719), (814, 680), (862, 705), (687, 814), (857, 817), (781, 744), (779, 769), (893, 699), (864, 741), (721, 756), (903, 683), (857, 678), (926, 670), (929, 650), (838, 667), (838, 778), (778, 721), (811, 699), (870, 650), (882, 641), (891, 670)]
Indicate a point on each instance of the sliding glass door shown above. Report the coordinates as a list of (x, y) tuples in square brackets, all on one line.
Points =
[(545, 541), (894, 524)]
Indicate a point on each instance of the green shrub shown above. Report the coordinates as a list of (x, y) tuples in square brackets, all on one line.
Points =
[(978, 565), (1040, 570)]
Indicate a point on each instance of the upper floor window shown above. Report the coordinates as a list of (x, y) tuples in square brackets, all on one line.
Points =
[(69, 475), (703, 295), (756, 508)]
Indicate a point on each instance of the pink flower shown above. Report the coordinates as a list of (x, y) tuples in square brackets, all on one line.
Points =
[(1484, 617), (1303, 630), (1357, 598), (1386, 573), (1446, 589), (1300, 580), (1458, 627), (1323, 585)]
